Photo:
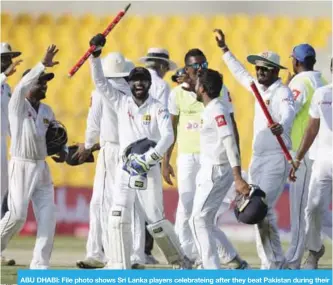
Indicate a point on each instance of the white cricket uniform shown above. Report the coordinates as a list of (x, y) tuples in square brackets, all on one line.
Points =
[(213, 182), (29, 175), (159, 89), (5, 97), (151, 120), (268, 167), (303, 86), (320, 192), (184, 104), (102, 126)]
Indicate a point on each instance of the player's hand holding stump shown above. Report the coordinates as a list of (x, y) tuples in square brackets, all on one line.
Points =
[(82, 153), (99, 42), (49, 56), (276, 129)]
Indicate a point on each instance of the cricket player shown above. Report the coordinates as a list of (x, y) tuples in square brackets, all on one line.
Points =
[(268, 168), (185, 113), (102, 126), (320, 192), (219, 166), (303, 84), (8, 68), (158, 62), (30, 177), (139, 116)]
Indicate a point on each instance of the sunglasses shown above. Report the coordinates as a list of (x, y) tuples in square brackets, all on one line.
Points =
[(263, 68), (203, 65)]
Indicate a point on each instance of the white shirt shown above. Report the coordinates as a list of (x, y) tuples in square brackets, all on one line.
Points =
[(159, 88), (321, 108), (151, 120), (301, 94), (28, 128), (280, 105), (5, 97), (102, 121), (216, 125)]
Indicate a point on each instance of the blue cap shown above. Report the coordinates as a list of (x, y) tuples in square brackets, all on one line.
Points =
[(302, 51)]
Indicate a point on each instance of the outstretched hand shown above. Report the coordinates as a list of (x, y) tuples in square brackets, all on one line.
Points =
[(220, 38), (12, 68), (49, 56)]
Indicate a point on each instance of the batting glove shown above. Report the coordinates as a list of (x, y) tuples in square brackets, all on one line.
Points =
[(98, 41)]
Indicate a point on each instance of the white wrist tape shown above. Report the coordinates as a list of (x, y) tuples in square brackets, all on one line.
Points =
[(232, 151)]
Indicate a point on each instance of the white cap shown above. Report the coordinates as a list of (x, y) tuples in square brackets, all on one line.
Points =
[(5, 49), (159, 53), (266, 59), (115, 65)]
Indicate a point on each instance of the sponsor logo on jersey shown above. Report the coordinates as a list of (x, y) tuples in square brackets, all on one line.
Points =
[(192, 126), (220, 120), (46, 121)]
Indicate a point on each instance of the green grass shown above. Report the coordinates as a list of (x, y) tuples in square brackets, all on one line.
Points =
[(68, 249)]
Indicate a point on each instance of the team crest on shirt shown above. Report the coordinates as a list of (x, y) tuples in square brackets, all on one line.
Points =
[(267, 102), (46, 121), (220, 121), (146, 119)]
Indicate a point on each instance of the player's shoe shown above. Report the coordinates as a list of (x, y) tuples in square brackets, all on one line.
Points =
[(7, 262), (186, 263), (90, 263), (311, 261), (149, 259), (238, 263)]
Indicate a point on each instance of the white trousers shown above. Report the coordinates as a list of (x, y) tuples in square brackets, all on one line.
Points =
[(320, 197), (213, 183), (150, 202), (188, 166), (30, 180), (101, 201), (298, 194), (4, 170), (270, 173)]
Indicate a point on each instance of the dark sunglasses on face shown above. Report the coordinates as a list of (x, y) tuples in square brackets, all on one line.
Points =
[(203, 65), (263, 68)]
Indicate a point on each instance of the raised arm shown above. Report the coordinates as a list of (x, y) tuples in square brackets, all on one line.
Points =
[(101, 83), (94, 120), (16, 103), (235, 67), (9, 71)]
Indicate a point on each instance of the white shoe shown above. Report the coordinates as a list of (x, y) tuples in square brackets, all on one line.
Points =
[(311, 261), (150, 259), (7, 262), (90, 263)]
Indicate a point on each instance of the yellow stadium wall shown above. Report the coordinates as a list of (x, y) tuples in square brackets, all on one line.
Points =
[(70, 98)]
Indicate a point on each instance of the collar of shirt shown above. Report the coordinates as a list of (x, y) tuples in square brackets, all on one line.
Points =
[(211, 104), (270, 90), (131, 100)]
